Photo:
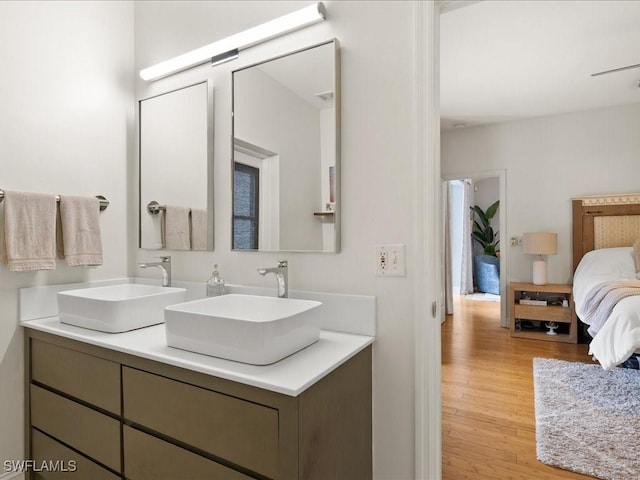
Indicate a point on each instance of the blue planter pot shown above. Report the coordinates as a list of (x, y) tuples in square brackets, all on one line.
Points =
[(487, 273)]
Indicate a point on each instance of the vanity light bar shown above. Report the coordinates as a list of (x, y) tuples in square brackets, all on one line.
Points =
[(261, 33)]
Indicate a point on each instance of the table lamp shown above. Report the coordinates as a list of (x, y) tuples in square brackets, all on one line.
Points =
[(540, 244)]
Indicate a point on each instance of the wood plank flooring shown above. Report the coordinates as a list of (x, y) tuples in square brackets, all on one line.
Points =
[(488, 423)]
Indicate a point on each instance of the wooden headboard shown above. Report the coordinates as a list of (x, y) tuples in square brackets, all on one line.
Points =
[(604, 221)]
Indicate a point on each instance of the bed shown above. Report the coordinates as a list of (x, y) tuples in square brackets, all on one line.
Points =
[(606, 282)]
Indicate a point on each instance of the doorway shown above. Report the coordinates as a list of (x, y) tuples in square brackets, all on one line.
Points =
[(460, 192)]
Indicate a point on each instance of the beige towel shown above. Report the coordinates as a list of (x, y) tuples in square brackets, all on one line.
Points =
[(80, 242), (198, 229), (176, 228), (29, 231)]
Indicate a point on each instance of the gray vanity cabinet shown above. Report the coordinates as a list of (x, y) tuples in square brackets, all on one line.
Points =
[(121, 416), (239, 431), (150, 458), (74, 407), (45, 448)]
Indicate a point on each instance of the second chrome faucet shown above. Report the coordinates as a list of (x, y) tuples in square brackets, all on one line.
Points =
[(281, 275), (165, 265)]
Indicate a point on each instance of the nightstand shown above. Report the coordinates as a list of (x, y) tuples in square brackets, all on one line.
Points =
[(527, 320)]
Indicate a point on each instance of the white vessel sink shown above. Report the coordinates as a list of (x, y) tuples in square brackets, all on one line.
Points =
[(117, 308), (244, 328)]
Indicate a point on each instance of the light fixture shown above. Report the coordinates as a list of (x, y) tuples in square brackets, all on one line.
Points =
[(540, 244), (261, 33)]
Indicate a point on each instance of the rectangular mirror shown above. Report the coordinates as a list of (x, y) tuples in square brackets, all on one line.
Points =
[(286, 144), (176, 169)]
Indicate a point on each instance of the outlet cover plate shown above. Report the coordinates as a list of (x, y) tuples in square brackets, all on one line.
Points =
[(390, 260)]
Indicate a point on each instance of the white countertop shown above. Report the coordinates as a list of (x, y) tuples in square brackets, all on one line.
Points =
[(290, 376)]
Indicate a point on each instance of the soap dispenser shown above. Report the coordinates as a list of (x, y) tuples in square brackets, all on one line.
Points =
[(215, 284)]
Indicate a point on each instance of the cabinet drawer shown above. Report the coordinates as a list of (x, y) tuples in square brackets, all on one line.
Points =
[(149, 458), (45, 449), (88, 378), (88, 431), (548, 313), (241, 432)]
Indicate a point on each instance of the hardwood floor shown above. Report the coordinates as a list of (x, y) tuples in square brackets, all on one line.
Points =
[(488, 423)]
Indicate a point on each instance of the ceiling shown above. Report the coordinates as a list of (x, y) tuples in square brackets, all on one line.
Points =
[(512, 59)]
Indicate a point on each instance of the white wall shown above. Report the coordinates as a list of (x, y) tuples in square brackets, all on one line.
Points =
[(377, 56), (66, 92), (548, 161)]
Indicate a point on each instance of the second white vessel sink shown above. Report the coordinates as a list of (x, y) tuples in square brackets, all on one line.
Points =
[(117, 308), (244, 328)]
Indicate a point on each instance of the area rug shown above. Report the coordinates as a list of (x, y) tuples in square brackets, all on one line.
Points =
[(588, 419), (483, 297)]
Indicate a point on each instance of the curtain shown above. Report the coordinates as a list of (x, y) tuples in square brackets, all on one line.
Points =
[(466, 276), (448, 293)]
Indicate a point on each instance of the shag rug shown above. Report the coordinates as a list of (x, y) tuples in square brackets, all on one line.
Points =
[(588, 419)]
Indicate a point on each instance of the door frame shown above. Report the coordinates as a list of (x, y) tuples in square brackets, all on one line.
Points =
[(427, 213), (502, 215)]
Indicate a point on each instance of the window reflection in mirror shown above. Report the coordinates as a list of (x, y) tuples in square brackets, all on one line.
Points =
[(176, 153), (286, 144), (246, 199)]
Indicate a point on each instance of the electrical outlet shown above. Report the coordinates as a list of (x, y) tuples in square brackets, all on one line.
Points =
[(390, 260)]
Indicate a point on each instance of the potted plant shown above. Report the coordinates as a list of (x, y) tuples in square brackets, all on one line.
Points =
[(487, 264)]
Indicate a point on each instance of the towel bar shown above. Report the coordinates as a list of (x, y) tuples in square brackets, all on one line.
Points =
[(154, 207), (104, 203)]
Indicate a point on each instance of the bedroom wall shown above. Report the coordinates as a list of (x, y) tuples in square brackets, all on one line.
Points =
[(66, 96), (377, 124), (548, 161)]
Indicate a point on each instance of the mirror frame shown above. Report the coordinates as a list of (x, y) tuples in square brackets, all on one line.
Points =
[(337, 122), (209, 165)]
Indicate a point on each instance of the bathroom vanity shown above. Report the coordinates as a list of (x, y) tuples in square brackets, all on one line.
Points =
[(128, 406)]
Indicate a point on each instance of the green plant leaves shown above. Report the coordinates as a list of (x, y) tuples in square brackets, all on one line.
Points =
[(491, 211), (482, 231)]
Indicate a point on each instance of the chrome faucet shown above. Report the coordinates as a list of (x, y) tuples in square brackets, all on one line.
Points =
[(165, 265), (281, 275)]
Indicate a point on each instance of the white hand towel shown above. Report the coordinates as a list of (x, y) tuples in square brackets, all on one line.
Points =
[(80, 243), (176, 228), (29, 231), (198, 229)]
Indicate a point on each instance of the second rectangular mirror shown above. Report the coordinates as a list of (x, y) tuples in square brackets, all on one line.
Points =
[(286, 114), (176, 169)]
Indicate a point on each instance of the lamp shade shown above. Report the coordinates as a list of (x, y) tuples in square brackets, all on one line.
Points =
[(540, 243)]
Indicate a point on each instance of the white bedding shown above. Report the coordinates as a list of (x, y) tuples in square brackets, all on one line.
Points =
[(619, 337)]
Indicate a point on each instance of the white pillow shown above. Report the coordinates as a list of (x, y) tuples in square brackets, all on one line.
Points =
[(602, 265)]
